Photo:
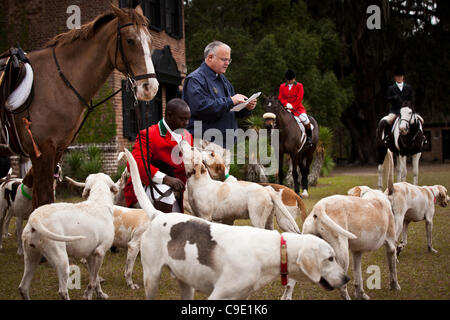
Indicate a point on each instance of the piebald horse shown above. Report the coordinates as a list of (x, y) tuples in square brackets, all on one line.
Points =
[(85, 57), (406, 139)]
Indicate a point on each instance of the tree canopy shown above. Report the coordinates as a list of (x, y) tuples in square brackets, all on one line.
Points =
[(267, 37), (345, 67)]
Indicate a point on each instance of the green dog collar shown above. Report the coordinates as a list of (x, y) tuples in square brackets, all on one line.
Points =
[(25, 194)]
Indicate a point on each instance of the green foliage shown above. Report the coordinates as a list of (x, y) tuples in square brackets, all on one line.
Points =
[(327, 166), (325, 143), (100, 126), (81, 164), (267, 37), (74, 160)]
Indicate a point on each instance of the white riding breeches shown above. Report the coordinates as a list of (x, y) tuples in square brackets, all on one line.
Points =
[(390, 118), (303, 118)]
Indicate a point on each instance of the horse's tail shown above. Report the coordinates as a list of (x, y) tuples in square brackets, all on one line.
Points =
[(284, 218), (144, 201), (388, 168), (39, 227)]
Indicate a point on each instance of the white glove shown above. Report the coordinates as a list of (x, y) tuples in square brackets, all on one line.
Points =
[(289, 106)]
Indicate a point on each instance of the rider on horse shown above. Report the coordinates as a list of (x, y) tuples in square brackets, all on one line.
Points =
[(291, 96), (396, 95)]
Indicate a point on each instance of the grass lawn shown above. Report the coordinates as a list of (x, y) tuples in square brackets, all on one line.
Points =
[(422, 275)]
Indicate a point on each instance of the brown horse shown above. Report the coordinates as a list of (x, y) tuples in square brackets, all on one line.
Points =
[(86, 57), (292, 141)]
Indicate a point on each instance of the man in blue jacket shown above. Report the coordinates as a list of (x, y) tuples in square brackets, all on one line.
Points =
[(210, 97)]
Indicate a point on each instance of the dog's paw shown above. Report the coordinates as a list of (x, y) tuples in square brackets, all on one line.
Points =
[(133, 286), (305, 194), (102, 296), (431, 249), (395, 286)]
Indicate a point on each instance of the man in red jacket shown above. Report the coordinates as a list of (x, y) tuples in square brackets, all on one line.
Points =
[(166, 165), (291, 96)]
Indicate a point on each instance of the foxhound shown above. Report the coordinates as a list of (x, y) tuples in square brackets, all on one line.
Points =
[(222, 261)]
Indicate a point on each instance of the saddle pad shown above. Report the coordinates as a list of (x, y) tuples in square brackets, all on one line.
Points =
[(302, 129), (18, 97)]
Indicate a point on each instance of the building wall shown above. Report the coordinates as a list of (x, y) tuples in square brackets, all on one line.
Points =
[(436, 153)]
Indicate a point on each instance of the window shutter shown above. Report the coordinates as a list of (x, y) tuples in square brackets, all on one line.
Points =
[(151, 112)]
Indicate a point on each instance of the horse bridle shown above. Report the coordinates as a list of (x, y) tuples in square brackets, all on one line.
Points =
[(131, 77), (408, 122)]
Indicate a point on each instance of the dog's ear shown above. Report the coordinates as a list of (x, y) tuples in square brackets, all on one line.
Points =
[(199, 169), (28, 180), (355, 191), (309, 264), (114, 189)]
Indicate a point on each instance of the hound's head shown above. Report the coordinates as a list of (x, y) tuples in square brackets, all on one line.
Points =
[(317, 260), (358, 191), (99, 182), (192, 158), (442, 198)]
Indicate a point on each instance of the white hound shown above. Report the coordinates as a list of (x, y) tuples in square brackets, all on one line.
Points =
[(222, 261)]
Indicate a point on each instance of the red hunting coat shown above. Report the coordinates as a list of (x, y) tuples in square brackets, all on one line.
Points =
[(160, 150), (293, 96)]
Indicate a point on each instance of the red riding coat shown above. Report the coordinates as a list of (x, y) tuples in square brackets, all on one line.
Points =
[(160, 150), (293, 96)]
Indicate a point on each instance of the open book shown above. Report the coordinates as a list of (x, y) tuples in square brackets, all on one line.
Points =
[(242, 105)]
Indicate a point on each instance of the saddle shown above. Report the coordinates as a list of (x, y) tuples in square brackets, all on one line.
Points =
[(16, 94)]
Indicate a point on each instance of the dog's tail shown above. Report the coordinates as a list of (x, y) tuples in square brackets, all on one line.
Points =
[(39, 227), (388, 168), (144, 201), (284, 218), (323, 216), (301, 206)]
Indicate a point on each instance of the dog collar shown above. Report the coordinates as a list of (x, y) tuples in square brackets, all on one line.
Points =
[(431, 189), (25, 194), (283, 261)]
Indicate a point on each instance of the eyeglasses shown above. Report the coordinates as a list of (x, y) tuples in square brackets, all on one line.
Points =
[(225, 59)]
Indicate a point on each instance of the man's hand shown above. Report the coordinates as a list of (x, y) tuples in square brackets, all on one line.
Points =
[(289, 106), (238, 98), (175, 183), (251, 105)]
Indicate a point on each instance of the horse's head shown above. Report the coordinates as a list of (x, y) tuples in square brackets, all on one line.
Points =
[(407, 117), (131, 53), (271, 107)]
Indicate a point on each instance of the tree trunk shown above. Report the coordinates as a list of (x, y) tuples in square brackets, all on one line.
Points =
[(316, 165)]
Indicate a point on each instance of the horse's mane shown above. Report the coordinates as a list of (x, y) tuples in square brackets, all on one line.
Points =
[(88, 30)]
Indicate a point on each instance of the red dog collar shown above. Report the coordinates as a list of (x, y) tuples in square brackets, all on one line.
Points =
[(431, 189), (283, 261)]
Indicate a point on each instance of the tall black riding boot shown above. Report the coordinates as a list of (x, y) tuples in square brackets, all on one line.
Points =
[(308, 136)]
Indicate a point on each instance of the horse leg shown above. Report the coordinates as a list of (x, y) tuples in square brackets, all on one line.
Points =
[(380, 159), (294, 162), (280, 167), (415, 163), (401, 167), (42, 170), (304, 169)]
